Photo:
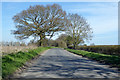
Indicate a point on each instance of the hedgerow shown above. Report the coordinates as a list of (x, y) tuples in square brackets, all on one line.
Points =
[(105, 49)]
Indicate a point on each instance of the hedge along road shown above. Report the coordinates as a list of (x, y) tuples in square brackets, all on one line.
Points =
[(59, 63)]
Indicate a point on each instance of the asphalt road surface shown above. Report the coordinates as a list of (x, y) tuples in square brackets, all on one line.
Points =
[(59, 63)]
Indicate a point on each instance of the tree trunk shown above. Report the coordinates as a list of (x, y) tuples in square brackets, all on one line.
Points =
[(40, 43), (74, 45), (42, 37)]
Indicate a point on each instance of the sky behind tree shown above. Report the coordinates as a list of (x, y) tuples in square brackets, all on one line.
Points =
[(102, 17)]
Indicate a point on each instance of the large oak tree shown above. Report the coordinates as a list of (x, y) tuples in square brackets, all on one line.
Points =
[(40, 21)]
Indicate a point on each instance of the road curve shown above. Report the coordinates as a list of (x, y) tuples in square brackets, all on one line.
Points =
[(59, 63)]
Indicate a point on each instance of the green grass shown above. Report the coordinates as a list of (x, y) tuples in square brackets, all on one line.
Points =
[(107, 59), (11, 62)]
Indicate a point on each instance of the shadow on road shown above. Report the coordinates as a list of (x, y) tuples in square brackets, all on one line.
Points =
[(59, 63)]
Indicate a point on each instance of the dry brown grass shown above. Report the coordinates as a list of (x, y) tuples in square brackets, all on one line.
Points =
[(13, 49)]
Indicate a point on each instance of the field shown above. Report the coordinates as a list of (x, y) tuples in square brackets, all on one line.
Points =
[(13, 49)]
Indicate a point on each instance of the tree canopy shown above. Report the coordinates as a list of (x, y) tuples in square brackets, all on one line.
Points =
[(78, 29), (40, 21)]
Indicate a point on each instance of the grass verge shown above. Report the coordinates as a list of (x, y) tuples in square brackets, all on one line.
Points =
[(11, 62), (103, 58)]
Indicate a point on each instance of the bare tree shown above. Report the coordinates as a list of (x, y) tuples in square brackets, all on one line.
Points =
[(78, 29), (40, 21)]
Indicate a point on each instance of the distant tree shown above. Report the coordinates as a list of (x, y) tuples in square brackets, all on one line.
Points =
[(92, 44), (85, 45), (52, 43), (66, 38), (78, 29), (61, 43), (40, 21)]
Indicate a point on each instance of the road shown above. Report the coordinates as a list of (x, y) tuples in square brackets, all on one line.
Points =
[(59, 63)]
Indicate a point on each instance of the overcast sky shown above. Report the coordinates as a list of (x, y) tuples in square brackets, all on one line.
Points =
[(102, 17)]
